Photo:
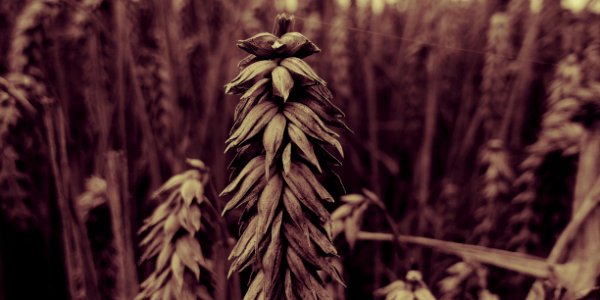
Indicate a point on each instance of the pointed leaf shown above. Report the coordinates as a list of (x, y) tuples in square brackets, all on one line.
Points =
[(271, 261), (247, 171), (302, 72), (250, 99), (298, 45), (189, 189), (249, 76), (286, 158), (260, 44), (303, 171), (282, 82), (267, 205), (305, 195), (306, 123), (272, 139), (254, 122), (299, 138)]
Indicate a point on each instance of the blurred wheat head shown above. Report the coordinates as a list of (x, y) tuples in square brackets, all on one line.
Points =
[(173, 236)]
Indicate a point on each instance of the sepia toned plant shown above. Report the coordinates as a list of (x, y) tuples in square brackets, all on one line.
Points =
[(282, 134), (172, 237)]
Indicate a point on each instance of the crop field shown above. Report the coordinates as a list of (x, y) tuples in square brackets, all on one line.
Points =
[(288, 149)]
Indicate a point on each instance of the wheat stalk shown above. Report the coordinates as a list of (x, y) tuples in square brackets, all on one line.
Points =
[(172, 236), (282, 126)]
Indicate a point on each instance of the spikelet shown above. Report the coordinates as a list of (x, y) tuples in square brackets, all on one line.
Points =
[(172, 237), (411, 288), (284, 219), (559, 133)]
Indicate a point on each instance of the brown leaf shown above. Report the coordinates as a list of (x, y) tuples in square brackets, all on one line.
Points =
[(297, 45), (249, 76), (272, 139), (302, 72), (260, 45), (321, 240), (163, 257), (306, 123), (302, 171), (282, 82), (250, 98), (190, 189), (297, 267), (271, 261), (253, 165), (254, 122), (255, 287), (299, 139), (293, 208), (188, 249), (267, 205), (305, 195), (286, 158), (177, 271)]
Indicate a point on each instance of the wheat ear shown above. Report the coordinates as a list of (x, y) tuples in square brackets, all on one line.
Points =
[(281, 133)]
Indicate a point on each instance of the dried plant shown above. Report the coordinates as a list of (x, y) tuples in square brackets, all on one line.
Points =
[(174, 233), (281, 129)]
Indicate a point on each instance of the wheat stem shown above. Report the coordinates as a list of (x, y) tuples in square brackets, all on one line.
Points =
[(515, 261)]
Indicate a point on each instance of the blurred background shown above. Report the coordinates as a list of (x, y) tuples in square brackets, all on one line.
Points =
[(462, 112)]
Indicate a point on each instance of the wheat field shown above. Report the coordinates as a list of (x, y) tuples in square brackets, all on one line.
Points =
[(287, 149)]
